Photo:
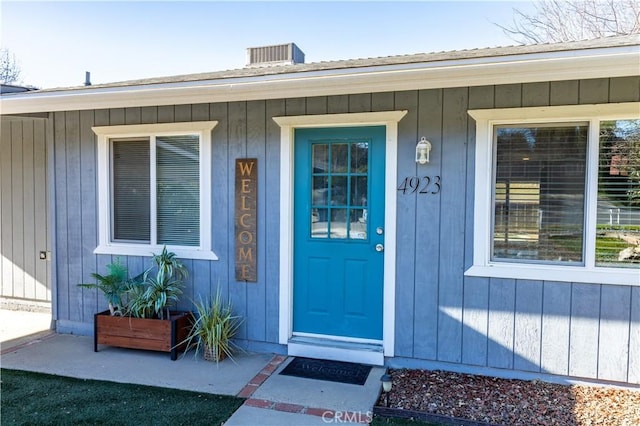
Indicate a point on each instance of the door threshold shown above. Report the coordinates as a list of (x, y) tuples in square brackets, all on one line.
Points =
[(336, 350)]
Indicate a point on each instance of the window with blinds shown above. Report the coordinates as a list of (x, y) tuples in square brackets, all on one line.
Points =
[(176, 189), (131, 190), (557, 193), (618, 217), (539, 193)]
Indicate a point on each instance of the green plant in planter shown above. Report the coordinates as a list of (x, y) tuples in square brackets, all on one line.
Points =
[(213, 328), (152, 296), (114, 285)]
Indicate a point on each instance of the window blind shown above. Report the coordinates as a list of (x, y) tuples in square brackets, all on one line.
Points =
[(131, 190), (539, 193), (618, 220), (178, 190)]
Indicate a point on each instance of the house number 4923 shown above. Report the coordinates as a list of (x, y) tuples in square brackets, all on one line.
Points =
[(421, 185)]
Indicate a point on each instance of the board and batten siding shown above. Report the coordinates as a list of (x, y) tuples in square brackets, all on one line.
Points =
[(23, 211), (442, 317)]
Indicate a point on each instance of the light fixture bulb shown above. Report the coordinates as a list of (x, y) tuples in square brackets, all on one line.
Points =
[(422, 156), (423, 149)]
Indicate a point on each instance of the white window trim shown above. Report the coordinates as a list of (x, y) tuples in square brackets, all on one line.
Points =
[(105, 133), (486, 119)]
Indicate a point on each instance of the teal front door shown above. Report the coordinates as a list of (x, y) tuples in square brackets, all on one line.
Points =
[(339, 232)]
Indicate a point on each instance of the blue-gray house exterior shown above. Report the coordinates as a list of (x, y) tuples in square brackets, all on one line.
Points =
[(443, 307)]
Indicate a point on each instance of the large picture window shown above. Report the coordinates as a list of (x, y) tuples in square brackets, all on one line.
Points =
[(154, 189), (539, 193), (558, 194)]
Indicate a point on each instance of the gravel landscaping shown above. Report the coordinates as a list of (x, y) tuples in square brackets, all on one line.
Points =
[(512, 402)]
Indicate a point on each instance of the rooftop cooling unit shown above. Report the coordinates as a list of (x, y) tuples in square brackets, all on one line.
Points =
[(281, 54)]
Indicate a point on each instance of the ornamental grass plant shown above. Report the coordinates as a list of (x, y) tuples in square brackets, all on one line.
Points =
[(213, 329)]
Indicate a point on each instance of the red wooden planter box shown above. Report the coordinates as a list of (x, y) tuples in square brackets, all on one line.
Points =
[(142, 333)]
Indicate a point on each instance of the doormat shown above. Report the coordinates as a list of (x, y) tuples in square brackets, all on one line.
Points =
[(332, 371)]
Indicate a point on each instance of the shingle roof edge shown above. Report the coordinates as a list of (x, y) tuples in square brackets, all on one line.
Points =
[(607, 42)]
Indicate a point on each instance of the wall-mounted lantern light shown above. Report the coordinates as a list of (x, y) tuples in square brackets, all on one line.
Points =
[(423, 149)]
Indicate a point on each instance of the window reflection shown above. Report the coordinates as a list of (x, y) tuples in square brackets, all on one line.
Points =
[(618, 223)]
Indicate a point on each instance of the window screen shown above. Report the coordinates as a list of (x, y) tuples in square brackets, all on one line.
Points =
[(539, 193)]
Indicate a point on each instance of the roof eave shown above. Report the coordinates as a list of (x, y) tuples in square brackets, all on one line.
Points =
[(548, 66)]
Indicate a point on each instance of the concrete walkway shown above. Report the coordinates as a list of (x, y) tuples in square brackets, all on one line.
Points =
[(271, 398)]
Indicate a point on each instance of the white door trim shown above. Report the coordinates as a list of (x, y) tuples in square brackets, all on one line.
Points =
[(287, 125)]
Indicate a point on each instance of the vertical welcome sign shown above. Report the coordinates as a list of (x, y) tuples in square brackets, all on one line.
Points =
[(246, 219)]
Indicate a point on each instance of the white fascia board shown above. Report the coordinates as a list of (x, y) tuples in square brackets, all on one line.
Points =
[(550, 66)]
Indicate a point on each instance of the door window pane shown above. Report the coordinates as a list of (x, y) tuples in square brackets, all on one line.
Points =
[(359, 191), (339, 158), (320, 191), (539, 192), (338, 226), (320, 158), (358, 224), (360, 157), (618, 218), (339, 191), (319, 223)]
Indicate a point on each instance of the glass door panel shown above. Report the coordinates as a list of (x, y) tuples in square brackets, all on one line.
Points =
[(340, 190)]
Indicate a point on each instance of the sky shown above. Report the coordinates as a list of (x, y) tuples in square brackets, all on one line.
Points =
[(54, 43)]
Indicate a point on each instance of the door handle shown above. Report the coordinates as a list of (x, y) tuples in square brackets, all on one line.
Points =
[(379, 247)]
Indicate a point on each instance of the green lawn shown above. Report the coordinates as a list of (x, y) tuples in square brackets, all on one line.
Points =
[(41, 399)]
